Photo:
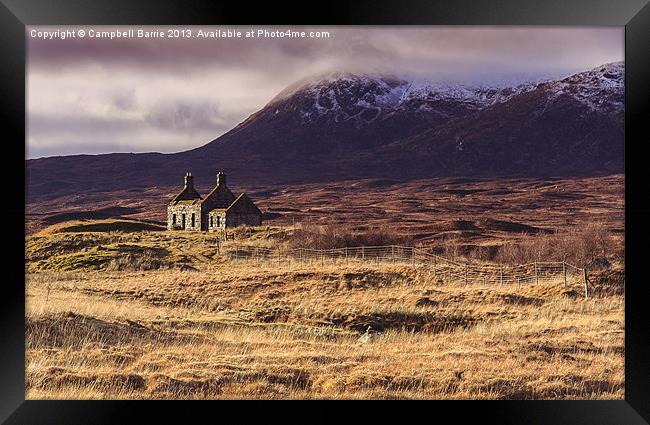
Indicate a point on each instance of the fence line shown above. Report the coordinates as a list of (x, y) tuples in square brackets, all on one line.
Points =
[(446, 269)]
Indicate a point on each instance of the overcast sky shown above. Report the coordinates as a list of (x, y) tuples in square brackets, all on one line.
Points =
[(88, 95)]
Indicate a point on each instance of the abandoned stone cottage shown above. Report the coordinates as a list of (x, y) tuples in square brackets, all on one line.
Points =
[(219, 210)]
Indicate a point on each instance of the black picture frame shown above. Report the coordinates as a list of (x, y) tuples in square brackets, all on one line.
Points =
[(15, 15)]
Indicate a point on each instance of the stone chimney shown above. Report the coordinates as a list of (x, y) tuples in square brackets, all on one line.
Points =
[(189, 180), (221, 178)]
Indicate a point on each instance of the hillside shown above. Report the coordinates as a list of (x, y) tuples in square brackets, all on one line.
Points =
[(348, 126)]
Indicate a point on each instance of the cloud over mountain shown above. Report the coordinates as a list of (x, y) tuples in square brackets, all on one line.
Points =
[(135, 95)]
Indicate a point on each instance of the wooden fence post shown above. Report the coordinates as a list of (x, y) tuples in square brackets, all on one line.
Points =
[(278, 256), (564, 272), (501, 276), (363, 254), (584, 274), (536, 276), (322, 258), (466, 266)]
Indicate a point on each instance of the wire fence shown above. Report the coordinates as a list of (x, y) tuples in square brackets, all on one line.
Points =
[(446, 269)]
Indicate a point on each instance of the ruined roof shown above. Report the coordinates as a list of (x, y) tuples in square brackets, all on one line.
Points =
[(244, 205), (220, 197), (187, 202), (187, 194)]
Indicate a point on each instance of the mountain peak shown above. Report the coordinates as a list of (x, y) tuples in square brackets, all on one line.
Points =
[(343, 110), (328, 80), (601, 88), (342, 97)]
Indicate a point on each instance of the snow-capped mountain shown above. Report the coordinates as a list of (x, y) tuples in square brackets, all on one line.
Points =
[(367, 98), (343, 126), (337, 114), (602, 89), (570, 126)]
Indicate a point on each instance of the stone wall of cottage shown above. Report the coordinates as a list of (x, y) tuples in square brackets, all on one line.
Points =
[(216, 220), (175, 215)]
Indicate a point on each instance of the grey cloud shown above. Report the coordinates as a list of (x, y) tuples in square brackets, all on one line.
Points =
[(125, 101), (185, 115), (164, 129), (42, 125), (356, 47)]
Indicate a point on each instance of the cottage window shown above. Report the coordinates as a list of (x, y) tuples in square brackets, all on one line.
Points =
[(174, 219), (211, 221), (193, 220), (183, 221), (218, 221)]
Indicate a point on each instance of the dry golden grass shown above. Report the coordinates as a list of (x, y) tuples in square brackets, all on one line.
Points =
[(248, 330)]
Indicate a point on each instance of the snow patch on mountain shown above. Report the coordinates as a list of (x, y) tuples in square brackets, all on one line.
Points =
[(602, 89), (481, 95), (364, 98)]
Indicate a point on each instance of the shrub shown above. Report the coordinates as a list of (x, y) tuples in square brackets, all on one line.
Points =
[(579, 247)]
